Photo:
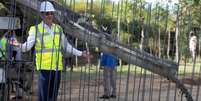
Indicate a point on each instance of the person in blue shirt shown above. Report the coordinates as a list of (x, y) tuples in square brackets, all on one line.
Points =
[(109, 63)]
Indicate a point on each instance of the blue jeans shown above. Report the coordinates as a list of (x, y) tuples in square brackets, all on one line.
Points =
[(48, 87)]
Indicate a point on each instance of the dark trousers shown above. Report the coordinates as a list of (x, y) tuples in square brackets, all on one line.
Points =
[(2, 92), (49, 82), (109, 81)]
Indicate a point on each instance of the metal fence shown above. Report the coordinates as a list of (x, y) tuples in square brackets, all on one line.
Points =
[(83, 81)]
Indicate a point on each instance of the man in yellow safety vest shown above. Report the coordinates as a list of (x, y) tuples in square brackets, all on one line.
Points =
[(49, 39)]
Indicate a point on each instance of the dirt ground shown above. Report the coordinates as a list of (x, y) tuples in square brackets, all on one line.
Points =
[(89, 87)]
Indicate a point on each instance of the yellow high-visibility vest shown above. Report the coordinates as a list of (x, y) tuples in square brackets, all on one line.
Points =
[(48, 48), (3, 48)]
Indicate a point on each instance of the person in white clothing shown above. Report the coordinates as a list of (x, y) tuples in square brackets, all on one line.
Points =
[(193, 44)]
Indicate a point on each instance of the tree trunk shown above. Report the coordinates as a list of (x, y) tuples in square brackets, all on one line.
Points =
[(159, 42), (177, 42), (168, 46), (142, 34), (142, 39)]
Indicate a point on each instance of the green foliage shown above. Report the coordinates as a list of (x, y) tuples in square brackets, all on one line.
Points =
[(196, 1), (3, 10), (126, 17), (125, 37)]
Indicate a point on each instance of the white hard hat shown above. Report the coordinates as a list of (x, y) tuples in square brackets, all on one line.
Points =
[(47, 6)]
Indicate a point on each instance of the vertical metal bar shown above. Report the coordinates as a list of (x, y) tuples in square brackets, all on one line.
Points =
[(182, 30), (10, 52), (152, 77), (147, 31), (64, 75), (120, 11), (70, 85), (139, 85), (135, 68), (134, 83), (120, 80), (166, 25), (34, 57), (129, 66), (100, 18), (143, 84), (96, 81), (141, 70), (99, 75), (198, 87), (151, 87), (175, 90), (88, 50), (80, 85), (160, 86), (194, 59), (89, 6), (127, 83), (42, 47), (84, 86), (159, 41)]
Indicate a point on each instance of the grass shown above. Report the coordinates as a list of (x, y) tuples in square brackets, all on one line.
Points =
[(187, 68), (92, 71)]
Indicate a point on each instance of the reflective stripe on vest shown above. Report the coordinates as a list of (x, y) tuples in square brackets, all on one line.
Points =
[(47, 50), (48, 57)]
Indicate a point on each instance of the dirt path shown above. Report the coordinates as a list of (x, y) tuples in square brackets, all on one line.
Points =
[(90, 87)]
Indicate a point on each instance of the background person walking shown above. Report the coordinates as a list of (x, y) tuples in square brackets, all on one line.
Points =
[(193, 44), (109, 63)]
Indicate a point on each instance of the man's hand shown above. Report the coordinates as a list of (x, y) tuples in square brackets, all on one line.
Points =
[(14, 42), (87, 55)]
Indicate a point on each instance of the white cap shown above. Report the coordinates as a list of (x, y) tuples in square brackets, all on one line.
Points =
[(47, 6)]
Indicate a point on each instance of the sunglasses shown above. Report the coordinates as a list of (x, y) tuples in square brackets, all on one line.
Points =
[(48, 13)]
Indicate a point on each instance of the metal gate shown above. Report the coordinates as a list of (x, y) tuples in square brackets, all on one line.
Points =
[(151, 40)]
